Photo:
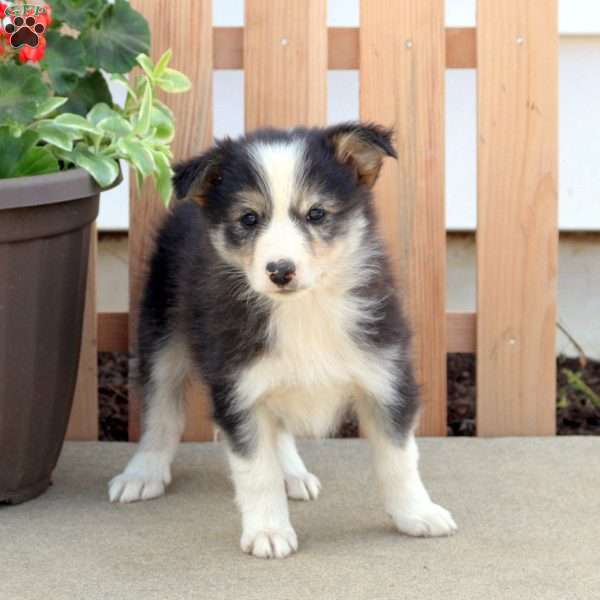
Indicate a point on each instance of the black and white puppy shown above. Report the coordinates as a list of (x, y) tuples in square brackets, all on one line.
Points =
[(269, 280)]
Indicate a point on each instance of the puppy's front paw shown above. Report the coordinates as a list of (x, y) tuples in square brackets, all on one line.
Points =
[(273, 543), (303, 487), (145, 477), (425, 519)]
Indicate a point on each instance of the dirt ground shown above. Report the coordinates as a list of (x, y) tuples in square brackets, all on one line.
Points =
[(577, 397), (112, 395)]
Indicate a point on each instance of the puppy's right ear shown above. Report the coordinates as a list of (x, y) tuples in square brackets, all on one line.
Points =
[(362, 146), (194, 178)]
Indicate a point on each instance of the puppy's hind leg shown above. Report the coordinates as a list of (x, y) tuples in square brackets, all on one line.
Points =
[(299, 483), (149, 471)]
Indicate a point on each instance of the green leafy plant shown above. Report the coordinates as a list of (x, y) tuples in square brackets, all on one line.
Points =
[(56, 110), (576, 382)]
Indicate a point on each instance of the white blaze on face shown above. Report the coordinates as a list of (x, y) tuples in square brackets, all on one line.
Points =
[(280, 165)]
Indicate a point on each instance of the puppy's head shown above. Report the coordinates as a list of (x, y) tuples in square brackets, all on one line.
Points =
[(289, 208)]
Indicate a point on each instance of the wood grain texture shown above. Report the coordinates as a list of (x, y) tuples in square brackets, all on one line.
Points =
[(186, 27), (113, 332), (344, 48), (517, 234), (461, 48), (402, 72), (285, 61), (83, 423), (461, 332), (228, 48)]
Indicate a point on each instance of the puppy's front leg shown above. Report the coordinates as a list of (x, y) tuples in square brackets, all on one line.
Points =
[(396, 463), (260, 490)]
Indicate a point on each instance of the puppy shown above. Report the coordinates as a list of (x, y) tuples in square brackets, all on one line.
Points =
[(270, 281)]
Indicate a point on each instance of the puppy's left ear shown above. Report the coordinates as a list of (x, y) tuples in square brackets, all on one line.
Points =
[(363, 146)]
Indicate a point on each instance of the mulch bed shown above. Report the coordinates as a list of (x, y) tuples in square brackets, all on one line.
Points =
[(113, 371), (578, 408), (578, 397)]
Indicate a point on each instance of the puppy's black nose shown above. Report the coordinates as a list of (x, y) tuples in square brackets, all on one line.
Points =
[(281, 272)]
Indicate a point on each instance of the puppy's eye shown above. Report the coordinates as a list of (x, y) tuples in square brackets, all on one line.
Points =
[(315, 215), (250, 219)]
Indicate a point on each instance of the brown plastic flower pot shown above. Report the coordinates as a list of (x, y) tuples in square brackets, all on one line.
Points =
[(44, 243)]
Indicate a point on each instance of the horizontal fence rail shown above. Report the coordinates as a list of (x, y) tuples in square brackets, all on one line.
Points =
[(343, 48), (401, 51), (113, 332)]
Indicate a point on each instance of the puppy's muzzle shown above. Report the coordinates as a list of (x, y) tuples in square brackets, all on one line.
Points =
[(281, 272)]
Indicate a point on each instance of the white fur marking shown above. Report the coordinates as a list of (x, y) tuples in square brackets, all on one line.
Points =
[(149, 471), (406, 499), (299, 483), (314, 366), (260, 495), (280, 165)]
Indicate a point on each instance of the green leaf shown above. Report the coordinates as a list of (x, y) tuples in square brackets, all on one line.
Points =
[(119, 36), (135, 151), (13, 149), (38, 161), (162, 125), (104, 170), (77, 13), (116, 126), (144, 61), (66, 157), (90, 90), (144, 116), (164, 148), (75, 122), (22, 91), (164, 108), (49, 106), (65, 61), (164, 174), (57, 135), (162, 63), (174, 82), (99, 112)]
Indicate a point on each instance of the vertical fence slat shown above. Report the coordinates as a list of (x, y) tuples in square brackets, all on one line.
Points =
[(186, 27), (285, 61), (402, 70), (517, 235), (83, 423)]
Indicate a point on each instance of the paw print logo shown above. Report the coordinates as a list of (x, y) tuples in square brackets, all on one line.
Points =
[(25, 32)]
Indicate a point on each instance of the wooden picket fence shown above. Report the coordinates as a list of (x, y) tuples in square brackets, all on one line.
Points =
[(402, 50)]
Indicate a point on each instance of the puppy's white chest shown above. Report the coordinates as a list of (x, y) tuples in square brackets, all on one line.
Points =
[(311, 342), (314, 364), (311, 367)]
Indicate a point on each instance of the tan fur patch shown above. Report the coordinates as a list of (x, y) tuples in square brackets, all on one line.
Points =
[(366, 159)]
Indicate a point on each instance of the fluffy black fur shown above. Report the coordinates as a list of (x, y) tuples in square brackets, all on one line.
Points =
[(191, 291)]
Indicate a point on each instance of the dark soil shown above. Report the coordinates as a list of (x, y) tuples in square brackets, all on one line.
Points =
[(113, 371), (578, 408), (461, 394), (578, 397)]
